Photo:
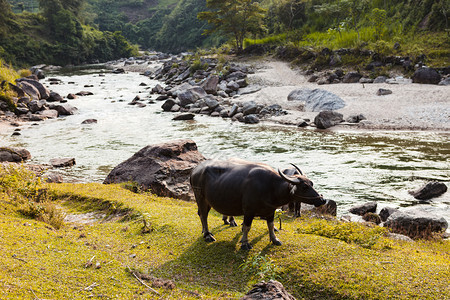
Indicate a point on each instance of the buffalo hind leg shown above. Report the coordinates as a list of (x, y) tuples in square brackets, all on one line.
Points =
[(271, 226), (229, 221), (245, 245)]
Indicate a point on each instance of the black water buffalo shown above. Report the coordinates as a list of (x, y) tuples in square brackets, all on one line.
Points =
[(237, 187)]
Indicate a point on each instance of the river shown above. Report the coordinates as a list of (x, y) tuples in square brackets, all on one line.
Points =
[(350, 167)]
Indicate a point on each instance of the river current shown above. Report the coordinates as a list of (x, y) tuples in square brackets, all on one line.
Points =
[(350, 167)]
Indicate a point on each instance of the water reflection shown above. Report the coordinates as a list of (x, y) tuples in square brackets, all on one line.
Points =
[(348, 167)]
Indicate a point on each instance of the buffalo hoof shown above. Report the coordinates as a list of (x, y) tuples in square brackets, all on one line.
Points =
[(277, 243), (209, 238), (225, 222), (246, 246), (233, 223)]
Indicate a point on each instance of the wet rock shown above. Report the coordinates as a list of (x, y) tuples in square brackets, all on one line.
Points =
[(383, 92), (89, 121), (430, 190), (8, 154), (49, 113), (426, 76), (271, 290), (54, 97), (316, 99), (385, 212), (183, 117), (251, 119), (64, 109), (62, 162), (351, 77), (363, 209), (162, 97), (84, 93), (416, 223), (163, 168), (327, 119)]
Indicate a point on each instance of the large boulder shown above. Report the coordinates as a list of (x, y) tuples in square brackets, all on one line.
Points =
[(8, 154), (430, 190), (190, 95), (163, 168), (416, 223), (327, 119), (363, 209), (64, 109), (427, 76), (210, 84), (351, 77), (30, 90), (271, 290), (43, 91), (317, 99)]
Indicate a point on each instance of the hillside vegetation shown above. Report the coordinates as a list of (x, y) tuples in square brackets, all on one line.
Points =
[(120, 243)]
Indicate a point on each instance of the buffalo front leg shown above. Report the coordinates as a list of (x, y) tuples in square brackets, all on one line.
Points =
[(245, 245), (203, 210), (271, 226), (229, 221)]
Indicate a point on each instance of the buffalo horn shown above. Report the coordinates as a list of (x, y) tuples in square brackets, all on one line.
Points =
[(298, 169), (290, 180)]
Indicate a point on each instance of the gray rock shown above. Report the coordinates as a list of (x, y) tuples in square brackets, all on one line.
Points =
[(175, 108), (49, 113), (249, 108), (426, 76), (271, 290), (361, 210), (89, 121), (351, 77), (383, 92), (416, 223), (163, 168), (232, 85), (211, 102), (190, 95), (366, 80), (238, 117), (380, 79), (430, 190), (64, 109), (9, 154), (355, 118), (210, 84), (183, 117), (251, 119), (445, 81), (326, 119), (84, 93), (386, 212), (30, 90), (37, 118), (43, 91), (167, 106), (224, 113), (233, 110), (399, 80), (249, 89), (317, 99), (54, 97), (62, 162), (36, 105)]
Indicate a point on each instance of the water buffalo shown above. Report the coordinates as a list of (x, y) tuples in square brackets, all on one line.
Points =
[(237, 187)]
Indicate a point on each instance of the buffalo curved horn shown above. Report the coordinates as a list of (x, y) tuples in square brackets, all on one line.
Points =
[(290, 180), (298, 169)]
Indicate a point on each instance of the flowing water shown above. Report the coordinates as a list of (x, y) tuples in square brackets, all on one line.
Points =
[(349, 167)]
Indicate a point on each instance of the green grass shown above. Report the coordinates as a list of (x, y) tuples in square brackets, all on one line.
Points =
[(318, 259)]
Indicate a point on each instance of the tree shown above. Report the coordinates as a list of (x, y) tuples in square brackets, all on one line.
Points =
[(234, 18), (291, 13), (378, 20)]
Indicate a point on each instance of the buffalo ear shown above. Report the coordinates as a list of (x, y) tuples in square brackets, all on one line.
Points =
[(294, 181)]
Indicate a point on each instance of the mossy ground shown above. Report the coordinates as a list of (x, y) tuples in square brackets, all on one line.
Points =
[(41, 262)]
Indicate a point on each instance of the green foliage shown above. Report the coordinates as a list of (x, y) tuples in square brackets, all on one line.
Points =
[(7, 75), (260, 267), (270, 40), (234, 18), (379, 22)]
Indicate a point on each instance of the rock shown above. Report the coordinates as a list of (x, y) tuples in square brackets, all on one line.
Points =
[(162, 97), (89, 121), (351, 77), (430, 190), (317, 99), (190, 95), (366, 80), (426, 76), (238, 117), (326, 119), (372, 217), (8, 154), (158, 89), (211, 102), (163, 168), (84, 93), (313, 78), (36, 117), (210, 84), (399, 80), (54, 178), (62, 162), (54, 97), (249, 89), (363, 209), (386, 212), (329, 208), (224, 113), (271, 290), (43, 91), (36, 105), (383, 92), (233, 85), (249, 108), (175, 108), (380, 79), (355, 118), (251, 119), (182, 117), (416, 223), (30, 90), (445, 81), (118, 71), (233, 110), (64, 109), (167, 106), (49, 113)]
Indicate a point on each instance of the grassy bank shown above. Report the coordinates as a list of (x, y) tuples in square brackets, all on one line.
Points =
[(122, 240)]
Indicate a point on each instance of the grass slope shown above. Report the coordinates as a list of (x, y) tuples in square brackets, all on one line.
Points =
[(357, 263)]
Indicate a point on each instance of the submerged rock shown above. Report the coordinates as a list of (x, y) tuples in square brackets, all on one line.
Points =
[(430, 190)]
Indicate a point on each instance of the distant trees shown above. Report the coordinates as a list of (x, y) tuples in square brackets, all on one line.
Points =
[(234, 18)]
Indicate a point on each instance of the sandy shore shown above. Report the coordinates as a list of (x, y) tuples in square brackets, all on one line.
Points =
[(409, 107)]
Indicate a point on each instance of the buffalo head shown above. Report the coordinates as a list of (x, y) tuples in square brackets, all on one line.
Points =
[(302, 189)]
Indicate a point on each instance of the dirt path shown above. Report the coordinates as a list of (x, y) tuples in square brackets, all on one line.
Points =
[(409, 107)]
